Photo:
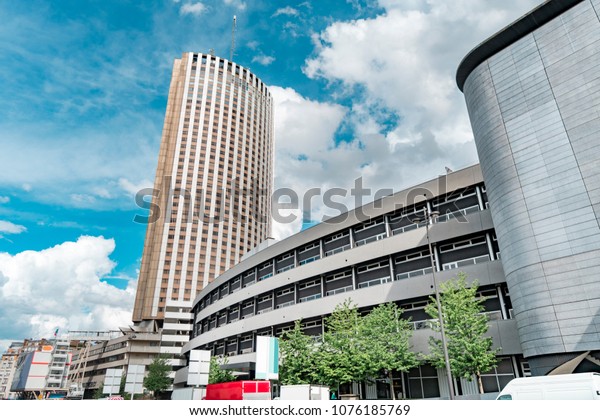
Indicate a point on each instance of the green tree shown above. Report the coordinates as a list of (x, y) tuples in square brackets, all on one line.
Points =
[(386, 338), (341, 357), (298, 352), (157, 379), (122, 392), (469, 351), (98, 393), (217, 374)]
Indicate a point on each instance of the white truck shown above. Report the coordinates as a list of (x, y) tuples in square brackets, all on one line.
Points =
[(304, 392), (576, 386)]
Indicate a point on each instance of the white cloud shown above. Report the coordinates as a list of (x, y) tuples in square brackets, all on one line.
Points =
[(4, 344), (8, 227), (304, 132), (405, 60), (288, 11), (4, 200), (101, 192), (238, 4), (405, 119), (195, 9), (27, 187), (133, 188), (61, 287), (263, 59)]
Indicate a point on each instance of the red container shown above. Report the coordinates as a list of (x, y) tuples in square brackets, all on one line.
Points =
[(239, 390)]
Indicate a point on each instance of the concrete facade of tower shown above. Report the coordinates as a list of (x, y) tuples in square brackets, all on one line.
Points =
[(212, 191)]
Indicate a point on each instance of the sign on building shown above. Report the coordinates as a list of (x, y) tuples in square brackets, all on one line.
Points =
[(267, 358)]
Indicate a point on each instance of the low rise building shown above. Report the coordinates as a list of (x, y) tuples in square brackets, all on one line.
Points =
[(42, 369), (8, 365)]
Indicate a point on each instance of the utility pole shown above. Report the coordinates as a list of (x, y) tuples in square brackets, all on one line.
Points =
[(429, 217)]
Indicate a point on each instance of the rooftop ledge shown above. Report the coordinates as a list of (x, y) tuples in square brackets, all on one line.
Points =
[(523, 26)]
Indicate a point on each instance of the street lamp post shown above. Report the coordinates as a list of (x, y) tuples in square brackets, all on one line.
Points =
[(429, 217)]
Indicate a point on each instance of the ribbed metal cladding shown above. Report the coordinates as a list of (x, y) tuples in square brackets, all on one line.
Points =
[(534, 111), (213, 180)]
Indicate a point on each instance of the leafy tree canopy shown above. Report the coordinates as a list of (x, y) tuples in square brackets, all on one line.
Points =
[(157, 379), (298, 357), (218, 375), (469, 350)]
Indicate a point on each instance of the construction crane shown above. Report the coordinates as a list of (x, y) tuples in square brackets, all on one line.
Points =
[(231, 51)]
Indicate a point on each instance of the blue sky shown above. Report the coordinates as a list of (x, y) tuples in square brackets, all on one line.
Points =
[(362, 89)]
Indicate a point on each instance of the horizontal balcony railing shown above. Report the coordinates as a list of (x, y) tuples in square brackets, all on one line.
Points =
[(375, 282), (414, 273), (284, 269), (309, 260), (456, 214), (428, 323), (339, 290), (309, 298), (370, 239), (264, 311), (284, 305), (466, 262), (266, 276), (337, 250), (408, 228)]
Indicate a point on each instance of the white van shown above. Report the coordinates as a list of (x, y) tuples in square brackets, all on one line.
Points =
[(576, 386)]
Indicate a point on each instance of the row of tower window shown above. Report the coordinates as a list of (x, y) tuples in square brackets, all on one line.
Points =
[(232, 69)]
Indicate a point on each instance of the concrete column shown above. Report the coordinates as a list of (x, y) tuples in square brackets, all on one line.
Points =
[(388, 229), (438, 262), (479, 197), (429, 211), (488, 240), (295, 258), (502, 303)]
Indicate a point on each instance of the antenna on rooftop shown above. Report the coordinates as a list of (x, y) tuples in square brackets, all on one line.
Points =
[(232, 39)]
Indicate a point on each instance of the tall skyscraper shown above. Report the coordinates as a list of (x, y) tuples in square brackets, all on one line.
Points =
[(211, 202)]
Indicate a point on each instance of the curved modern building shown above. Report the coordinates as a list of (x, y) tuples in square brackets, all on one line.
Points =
[(533, 95), (211, 197), (373, 254)]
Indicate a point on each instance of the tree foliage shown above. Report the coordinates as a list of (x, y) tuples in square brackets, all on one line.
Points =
[(122, 391), (469, 351), (341, 357), (217, 374), (353, 348), (157, 379), (99, 393), (387, 341), (298, 357)]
